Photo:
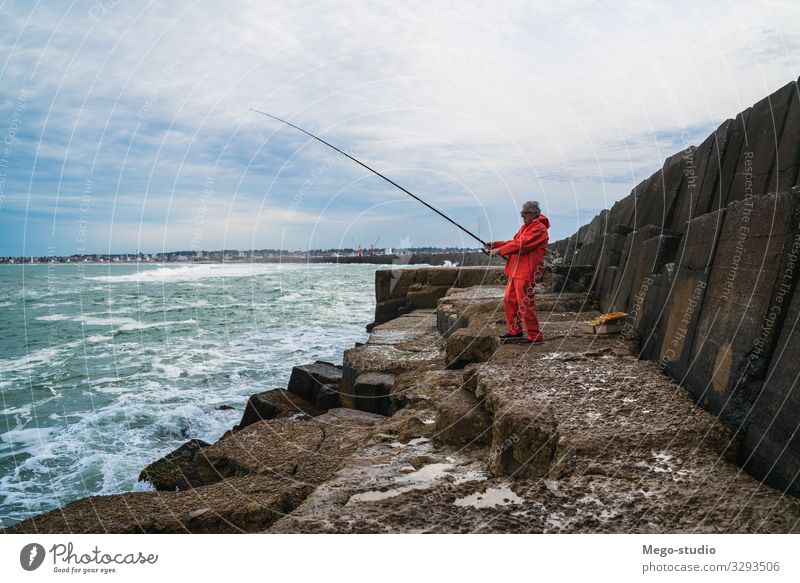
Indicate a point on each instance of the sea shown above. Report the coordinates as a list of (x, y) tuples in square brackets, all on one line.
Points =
[(106, 368)]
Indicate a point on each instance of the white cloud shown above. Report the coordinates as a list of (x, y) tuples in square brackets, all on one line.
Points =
[(571, 102)]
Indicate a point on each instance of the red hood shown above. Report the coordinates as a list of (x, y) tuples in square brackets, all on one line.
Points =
[(544, 220)]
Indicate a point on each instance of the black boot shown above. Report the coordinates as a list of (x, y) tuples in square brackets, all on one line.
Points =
[(508, 335)]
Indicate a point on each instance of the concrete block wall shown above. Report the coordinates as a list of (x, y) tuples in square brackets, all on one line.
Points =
[(412, 288), (703, 255)]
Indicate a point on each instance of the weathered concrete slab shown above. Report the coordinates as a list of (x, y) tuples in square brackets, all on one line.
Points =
[(710, 173), (445, 276), (623, 212), (279, 403), (734, 158), (588, 253), (456, 310), (638, 266), (787, 161), (606, 278), (586, 237), (409, 341), (701, 180), (379, 497), (676, 329), (597, 228), (644, 261), (649, 201), (734, 336), (469, 345), (674, 175), (654, 309), (563, 278), (462, 421), (306, 380), (604, 288), (471, 276), (694, 161), (563, 249), (327, 397), (657, 196), (757, 158), (699, 244), (394, 283), (772, 442), (403, 289), (387, 310), (610, 256), (680, 179), (371, 392), (425, 296), (612, 297), (612, 249), (180, 469)]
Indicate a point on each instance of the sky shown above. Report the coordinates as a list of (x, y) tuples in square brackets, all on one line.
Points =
[(126, 126)]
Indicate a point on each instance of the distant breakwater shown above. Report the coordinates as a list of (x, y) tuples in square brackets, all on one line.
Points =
[(463, 259)]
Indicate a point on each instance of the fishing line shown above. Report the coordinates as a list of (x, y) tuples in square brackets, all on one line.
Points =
[(389, 180)]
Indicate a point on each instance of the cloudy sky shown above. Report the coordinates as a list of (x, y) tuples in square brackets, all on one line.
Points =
[(127, 125)]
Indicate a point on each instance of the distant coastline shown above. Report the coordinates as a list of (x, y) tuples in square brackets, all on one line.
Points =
[(470, 257)]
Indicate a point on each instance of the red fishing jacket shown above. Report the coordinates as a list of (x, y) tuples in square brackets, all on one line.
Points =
[(526, 250)]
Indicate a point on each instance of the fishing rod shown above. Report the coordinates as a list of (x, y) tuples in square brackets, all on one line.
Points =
[(389, 180)]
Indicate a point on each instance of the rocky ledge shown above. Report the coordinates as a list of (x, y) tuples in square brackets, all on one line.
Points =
[(433, 426)]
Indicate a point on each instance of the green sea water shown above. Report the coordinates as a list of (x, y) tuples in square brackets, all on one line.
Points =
[(105, 368)]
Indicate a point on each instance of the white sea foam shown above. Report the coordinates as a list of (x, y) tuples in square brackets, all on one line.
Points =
[(189, 273), (144, 486), (54, 318), (91, 320), (138, 325), (112, 389), (124, 324), (31, 438), (169, 371), (16, 411), (42, 356)]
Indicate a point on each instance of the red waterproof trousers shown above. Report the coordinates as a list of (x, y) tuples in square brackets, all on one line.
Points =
[(520, 307)]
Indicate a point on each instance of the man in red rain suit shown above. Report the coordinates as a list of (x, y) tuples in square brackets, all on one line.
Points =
[(525, 253)]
